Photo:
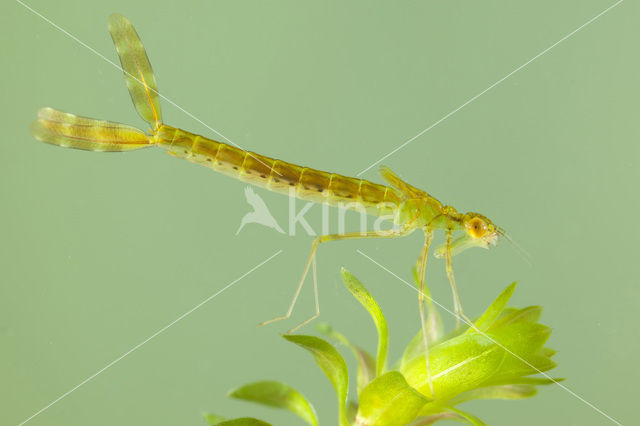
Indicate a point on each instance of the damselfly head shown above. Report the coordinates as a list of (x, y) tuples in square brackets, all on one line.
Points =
[(478, 231), (481, 229)]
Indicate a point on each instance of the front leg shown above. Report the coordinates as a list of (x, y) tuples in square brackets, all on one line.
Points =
[(422, 267)]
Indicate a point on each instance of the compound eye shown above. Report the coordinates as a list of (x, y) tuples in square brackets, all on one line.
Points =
[(477, 227)]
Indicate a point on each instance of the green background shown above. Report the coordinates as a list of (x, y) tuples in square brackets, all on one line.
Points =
[(98, 252)]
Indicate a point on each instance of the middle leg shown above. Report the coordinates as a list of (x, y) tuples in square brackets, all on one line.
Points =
[(457, 305)]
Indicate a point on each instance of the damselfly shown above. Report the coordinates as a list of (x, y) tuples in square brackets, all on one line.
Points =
[(410, 208)]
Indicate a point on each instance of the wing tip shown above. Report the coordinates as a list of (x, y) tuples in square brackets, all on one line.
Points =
[(37, 129), (116, 19), (46, 113)]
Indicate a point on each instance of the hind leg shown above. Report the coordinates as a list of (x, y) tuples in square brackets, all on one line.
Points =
[(311, 259)]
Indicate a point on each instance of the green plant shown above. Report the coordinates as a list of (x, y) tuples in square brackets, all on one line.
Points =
[(493, 359)]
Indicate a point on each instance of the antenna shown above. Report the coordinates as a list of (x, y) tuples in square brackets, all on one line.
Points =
[(522, 252)]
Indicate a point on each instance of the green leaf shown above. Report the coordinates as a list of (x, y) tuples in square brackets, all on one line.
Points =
[(529, 314), (525, 354), (508, 311), (522, 338), (495, 309), (456, 365), (366, 299), (279, 395), (213, 419), (548, 352), (416, 346), (495, 392), (331, 362), (389, 401), (535, 364), (513, 369), (243, 421), (467, 417), (366, 363), (413, 349), (434, 412)]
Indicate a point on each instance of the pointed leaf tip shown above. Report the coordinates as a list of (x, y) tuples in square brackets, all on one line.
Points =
[(243, 421), (360, 292), (213, 419), (494, 310), (278, 395), (332, 364), (366, 363)]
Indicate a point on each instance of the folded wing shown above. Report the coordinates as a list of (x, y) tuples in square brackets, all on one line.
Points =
[(72, 131), (138, 73)]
